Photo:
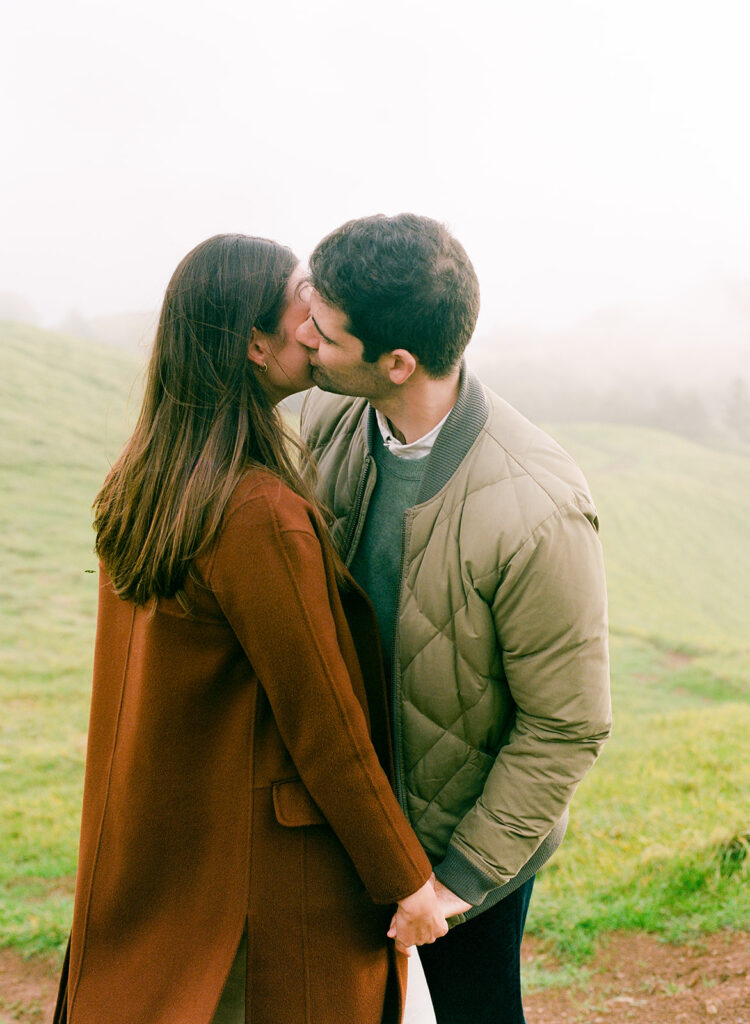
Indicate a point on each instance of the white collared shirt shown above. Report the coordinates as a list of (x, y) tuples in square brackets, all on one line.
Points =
[(414, 449)]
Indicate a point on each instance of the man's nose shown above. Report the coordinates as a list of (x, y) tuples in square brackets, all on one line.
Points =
[(307, 335)]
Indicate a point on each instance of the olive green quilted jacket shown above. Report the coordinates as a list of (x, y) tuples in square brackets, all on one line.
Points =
[(501, 678)]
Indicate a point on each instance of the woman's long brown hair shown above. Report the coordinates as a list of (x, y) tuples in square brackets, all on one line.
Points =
[(205, 420)]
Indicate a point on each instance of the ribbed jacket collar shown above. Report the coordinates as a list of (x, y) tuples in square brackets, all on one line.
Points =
[(458, 434)]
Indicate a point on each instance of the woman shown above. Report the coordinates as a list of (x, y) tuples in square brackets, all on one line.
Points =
[(235, 810)]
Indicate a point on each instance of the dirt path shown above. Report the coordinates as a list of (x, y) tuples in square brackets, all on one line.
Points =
[(27, 989), (635, 978)]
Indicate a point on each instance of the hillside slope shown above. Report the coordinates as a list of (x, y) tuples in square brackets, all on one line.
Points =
[(62, 418), (675, 528), (63, 415)]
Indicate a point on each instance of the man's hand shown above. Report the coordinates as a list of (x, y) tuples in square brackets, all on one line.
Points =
[(419, 919), (450, 904)]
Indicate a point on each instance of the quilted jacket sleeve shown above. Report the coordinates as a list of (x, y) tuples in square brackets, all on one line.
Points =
[(551, 622), (269, 578)]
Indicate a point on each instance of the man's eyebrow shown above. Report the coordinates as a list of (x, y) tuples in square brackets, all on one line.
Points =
[(317, 328)]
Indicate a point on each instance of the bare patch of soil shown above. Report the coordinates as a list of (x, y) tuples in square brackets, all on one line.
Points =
[(28, 988), (637, 978)]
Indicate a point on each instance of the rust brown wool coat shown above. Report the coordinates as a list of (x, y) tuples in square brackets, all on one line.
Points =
[(231, 781)]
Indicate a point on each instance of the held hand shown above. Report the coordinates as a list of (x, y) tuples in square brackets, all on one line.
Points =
[(450, 904), (419, 919)]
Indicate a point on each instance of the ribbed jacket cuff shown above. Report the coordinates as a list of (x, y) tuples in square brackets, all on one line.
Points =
[(462, 878)]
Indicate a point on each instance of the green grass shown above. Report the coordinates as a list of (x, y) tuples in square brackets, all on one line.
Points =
[(653, 826), (649, 845), (656, 836), (63, 416)]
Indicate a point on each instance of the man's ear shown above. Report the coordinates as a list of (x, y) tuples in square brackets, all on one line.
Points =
[(257, 349), (399, 364)]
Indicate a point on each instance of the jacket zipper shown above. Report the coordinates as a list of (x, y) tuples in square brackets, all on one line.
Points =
[(356, 521), (396, 675)]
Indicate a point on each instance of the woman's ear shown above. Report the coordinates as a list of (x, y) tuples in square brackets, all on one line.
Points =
[(257, 349)]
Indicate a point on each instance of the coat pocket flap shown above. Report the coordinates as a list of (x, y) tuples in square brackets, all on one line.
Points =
[(294, 806)]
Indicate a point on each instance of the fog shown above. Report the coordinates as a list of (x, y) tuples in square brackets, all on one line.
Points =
[(591, 155)]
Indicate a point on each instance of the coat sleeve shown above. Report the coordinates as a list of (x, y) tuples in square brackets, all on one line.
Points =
[(269, 577), (550, 613)]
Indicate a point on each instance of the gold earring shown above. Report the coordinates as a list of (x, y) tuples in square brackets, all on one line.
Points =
[(263, 367)]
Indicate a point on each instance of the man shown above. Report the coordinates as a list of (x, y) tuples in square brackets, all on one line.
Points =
[(475, 537)]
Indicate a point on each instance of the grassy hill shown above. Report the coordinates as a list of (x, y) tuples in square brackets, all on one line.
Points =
[(674, 526), (656, 839), (63, 410), (675, 521)]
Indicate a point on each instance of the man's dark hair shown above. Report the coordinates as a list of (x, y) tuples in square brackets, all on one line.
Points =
[(403, 282)]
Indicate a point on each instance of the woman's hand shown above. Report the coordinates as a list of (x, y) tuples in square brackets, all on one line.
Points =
[(418, 919)]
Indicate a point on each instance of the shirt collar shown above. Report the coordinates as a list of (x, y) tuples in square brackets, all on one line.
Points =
[(414, 449)]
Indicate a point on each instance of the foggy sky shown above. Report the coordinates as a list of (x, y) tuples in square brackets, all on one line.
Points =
[(586, 152)]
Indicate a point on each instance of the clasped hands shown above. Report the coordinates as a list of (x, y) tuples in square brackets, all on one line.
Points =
[(422, 917)]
